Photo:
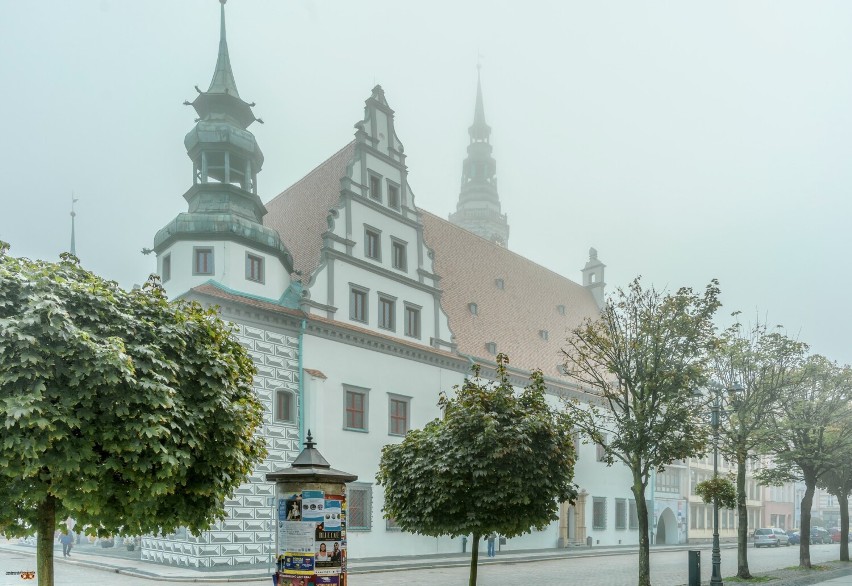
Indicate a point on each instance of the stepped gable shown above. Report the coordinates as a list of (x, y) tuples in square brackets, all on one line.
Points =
[(300, 212), (512, 317)]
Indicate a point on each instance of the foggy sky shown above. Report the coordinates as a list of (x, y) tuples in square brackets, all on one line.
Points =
[(683, 140)]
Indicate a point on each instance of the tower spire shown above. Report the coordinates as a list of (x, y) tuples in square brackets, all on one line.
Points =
[(73, 215), (223, 76), (479, 130), (478, 208)]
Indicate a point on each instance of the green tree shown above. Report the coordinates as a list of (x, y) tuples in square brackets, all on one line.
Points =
[(761, 364), (117, 408), (642, 359), (838, 482), (810, 436), (498, 461)]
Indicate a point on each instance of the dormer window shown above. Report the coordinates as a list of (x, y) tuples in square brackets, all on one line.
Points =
[(543, 334), (491, 347), (474, 309), (499, 283), (560, 309)]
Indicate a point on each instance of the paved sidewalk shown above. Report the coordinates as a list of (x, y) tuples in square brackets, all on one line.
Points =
[(136, 567)]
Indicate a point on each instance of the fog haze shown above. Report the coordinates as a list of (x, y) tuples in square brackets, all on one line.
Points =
[(683, 140)]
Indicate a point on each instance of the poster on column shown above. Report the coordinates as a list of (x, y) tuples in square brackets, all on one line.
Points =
[(329, 554), (313, 503), (332, 515), (296, 536), (327, 580), (293, 580)]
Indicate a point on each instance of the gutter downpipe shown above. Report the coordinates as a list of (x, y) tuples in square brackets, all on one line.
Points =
[(302, 382)]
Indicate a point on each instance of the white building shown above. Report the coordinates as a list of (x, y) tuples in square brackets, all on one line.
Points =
[(358, 308)]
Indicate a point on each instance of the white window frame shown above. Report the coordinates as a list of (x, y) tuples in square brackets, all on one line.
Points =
[(398, 399), (365, 394)]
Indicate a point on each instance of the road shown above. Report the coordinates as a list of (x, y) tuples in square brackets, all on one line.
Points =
[(668, 568)]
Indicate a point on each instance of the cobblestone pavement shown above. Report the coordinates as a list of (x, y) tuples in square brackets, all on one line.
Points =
[(668, 568)]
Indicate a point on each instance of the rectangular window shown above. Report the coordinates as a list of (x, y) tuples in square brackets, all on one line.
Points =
[(669, 481), (398, 422), (393, 196), (702, 516), (359, 506), (387, 313), (356, 408), (620, 513), (634, 514), (167, 268), (284, 411), (390, 525), (601, 450), (399, 260), (599, 513), (202, 263), (358, 304), (693, 516), (254, 268), (412, 321), (375, 187), (372, 244)]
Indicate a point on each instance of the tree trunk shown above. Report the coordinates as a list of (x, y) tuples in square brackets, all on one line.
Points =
[(46, 526), (644, 542), (805, 529), (843, 501), (742, 514), (474, 559)]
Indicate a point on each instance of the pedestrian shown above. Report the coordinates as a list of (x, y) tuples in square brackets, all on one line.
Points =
[(66, 540), (492, 538)]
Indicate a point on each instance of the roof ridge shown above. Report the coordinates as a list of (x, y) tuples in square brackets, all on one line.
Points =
[(497, 246), (312, 171)]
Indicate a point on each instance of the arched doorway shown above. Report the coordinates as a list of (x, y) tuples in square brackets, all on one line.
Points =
[(667, 528)]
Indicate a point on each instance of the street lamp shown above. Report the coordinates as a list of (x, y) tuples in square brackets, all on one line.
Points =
[(716, 558)]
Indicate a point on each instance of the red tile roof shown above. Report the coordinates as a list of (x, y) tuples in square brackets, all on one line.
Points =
[(300, 212), (513, 317)]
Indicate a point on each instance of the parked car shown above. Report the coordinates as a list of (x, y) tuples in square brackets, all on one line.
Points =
[(820, 535), (770, 537), (835, 535), (795, 538)]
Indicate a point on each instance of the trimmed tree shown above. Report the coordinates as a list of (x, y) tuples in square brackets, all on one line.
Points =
[(763, 364), (642, 359), (838, 482), (811, 434), (120, 409), (498, 461)]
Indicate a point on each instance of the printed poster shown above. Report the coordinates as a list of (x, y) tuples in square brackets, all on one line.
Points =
[(292, 508), (313, 503), (299, 564), (332, 515), (327, 580), (293, 580), (296, 536)]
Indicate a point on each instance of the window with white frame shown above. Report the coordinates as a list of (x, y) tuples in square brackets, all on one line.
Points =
[(621, 513), (167, 268), (393, 196), (599, 512), (398, 417), (400, 258), (601, 450), (372, 243), (375, 187), (359, 506), (358, 303), (387, 312), (254, 268), (355, 408), (202, 261), (412, 320), (285, 406)]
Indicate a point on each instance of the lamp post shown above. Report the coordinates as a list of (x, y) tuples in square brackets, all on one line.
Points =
[(716, 558), (716, 574)]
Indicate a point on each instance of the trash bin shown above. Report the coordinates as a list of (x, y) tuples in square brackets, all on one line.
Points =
[(589, 541), (694, 567)]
